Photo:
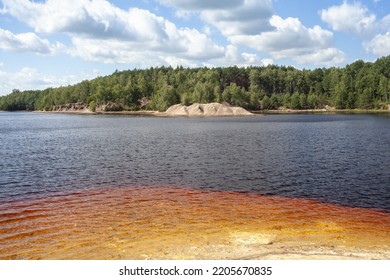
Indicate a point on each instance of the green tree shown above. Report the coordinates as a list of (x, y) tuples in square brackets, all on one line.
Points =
[(164, 98), (275, 101), (286, 100), (302, 101), (295, 101), (266, 103), (340, 96), (185, 99), (92, 106), (383, 89), (234, 94), (357, 85), (312, 101)]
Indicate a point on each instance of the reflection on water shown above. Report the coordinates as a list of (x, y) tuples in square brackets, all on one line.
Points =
[(178, 223)]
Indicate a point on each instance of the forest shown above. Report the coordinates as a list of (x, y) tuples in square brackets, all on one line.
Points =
[(360, 85)]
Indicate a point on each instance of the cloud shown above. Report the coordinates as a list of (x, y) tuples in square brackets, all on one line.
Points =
[(140, 55), (328, 57), (234, 57), (230, 17), (97, 18), (350, 18), (291, 39), (186, 45), (289, 35), (252, 24), (105, 33), (249, 19), (385, 23), (91, 19), (27, 42), (357, 19), (199, 5), (379, 45), (30, 78), (99, 31)]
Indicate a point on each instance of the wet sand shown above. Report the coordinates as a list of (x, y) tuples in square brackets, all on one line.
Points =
[(186, 223)]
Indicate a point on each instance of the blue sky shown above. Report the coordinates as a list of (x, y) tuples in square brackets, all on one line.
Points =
[(53, 42)]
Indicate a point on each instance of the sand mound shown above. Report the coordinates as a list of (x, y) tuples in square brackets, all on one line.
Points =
[(206, 110)]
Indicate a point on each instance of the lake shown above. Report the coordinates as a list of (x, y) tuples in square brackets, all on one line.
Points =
[(66, 161)]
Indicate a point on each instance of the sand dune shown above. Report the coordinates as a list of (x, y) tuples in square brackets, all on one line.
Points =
[(206, 110)]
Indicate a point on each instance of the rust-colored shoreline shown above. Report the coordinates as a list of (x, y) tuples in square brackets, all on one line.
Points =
[(185, 223)]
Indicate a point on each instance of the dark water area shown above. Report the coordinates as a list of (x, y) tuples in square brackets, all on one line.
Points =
[(333, 158)]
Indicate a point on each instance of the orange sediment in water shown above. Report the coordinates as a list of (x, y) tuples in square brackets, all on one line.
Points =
[(180, 223)]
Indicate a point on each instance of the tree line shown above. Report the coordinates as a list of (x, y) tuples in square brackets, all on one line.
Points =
[(363, 85)]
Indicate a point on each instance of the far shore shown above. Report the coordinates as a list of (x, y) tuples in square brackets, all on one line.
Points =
[(324, 111), (150, 113), (146, 113)]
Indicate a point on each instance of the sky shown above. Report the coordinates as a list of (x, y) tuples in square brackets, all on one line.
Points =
[(56, 43)]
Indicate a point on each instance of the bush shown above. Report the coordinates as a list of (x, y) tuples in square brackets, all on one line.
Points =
[(92, 106)]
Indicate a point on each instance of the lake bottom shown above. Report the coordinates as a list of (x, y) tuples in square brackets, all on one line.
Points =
[(172, 222)]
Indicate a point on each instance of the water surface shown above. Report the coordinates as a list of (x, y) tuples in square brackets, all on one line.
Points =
[(339, 159), (113, 187)]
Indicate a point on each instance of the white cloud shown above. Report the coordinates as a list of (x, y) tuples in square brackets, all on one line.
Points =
[(252, 17), (30, 78), (385, 23), (351, 18), (91, 19), (234, 57), (291, 39), (97, 18), (186, 45), (357, 19), (198, 5), (99, 31), (379, 45), (105, 33), (230, 17), (251, 23), (27, 42), (267, 61), (328, 57)]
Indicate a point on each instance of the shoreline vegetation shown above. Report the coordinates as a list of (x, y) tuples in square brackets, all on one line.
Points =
[(151, 113), (205, 110), (360, 85)]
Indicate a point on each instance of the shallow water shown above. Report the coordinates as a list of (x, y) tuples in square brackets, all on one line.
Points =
[(178, 223), (128, 187)]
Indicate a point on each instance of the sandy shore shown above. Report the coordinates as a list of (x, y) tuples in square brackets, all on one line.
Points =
[(124, 113), (287, 251), (149, 113), (178, 110)]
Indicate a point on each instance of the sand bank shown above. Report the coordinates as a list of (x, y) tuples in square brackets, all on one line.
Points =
[(178, 110), (206, 110)]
